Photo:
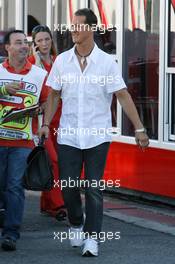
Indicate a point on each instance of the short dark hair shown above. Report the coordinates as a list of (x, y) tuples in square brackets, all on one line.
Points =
[(91, 18), (9, 33)]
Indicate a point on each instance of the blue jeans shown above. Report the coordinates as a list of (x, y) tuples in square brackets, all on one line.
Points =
[(12, 166)]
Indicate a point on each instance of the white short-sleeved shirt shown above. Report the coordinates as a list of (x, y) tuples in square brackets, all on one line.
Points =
[(86, 97)]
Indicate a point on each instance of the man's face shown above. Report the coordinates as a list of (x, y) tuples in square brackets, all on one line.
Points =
[(18, 47), (80, 30)]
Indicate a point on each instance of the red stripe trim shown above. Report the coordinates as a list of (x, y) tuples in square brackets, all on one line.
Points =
[(145, 4), (102, 13), (173, 3), (133, 15), (70, 10)]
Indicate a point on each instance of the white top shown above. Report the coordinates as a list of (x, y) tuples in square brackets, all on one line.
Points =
[(86, 96)]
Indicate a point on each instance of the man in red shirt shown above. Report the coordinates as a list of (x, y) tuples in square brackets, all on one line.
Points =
[(21, 85)]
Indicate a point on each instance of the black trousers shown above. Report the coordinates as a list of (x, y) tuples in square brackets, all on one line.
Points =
[(71, 161)]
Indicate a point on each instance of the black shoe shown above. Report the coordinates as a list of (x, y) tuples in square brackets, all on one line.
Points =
[(2, 212), (61, 215), (8, 244)]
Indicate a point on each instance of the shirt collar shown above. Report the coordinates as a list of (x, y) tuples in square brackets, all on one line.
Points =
[(24, 70), (93, 56)]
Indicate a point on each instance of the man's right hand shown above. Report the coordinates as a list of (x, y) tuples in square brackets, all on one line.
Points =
[(43, 131), (13, 87)]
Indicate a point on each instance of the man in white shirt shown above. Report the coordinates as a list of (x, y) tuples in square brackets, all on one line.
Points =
[(85, 78)]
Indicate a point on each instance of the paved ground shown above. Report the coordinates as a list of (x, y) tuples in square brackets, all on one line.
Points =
[(153, 216), (136, 245)]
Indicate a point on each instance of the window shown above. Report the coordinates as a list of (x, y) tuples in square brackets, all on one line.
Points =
[(106, 14), (7, 21), (171, 54), (36, 14), (172, 109), (141, 62), (169, 114), (105, 39), (7, 14), (169, 99), (105, 36)]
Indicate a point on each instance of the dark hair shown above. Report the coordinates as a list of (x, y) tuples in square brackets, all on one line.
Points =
[(43, 28), (91, 18), (9, 33), (40, 28)]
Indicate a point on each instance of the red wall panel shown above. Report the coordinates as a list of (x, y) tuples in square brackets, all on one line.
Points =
[(151, 171)]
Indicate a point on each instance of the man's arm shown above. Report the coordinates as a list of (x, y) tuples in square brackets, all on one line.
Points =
[(49, 111), (129, 108)]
